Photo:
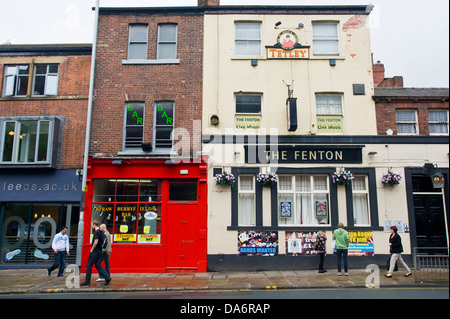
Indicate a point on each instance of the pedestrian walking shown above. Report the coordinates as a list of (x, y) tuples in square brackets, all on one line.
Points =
[(321, 241), (396, 249), (342, 239), (95, 256), (106, 252), (60, 246)]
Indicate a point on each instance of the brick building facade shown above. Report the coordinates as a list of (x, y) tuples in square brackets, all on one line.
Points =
[(43, 103), (146, 179)]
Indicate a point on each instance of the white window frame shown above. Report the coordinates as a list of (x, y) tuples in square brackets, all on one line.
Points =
[(250, 216), (415, 123), (430, 123), (325, 39), (51, 80), (11, 81), (329, 112), (131, 41), (312, 192), (160, 42), (257, 41), (365, 192)]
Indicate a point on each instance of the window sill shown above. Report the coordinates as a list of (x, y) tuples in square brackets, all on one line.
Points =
[(151, 62), (167, 152)]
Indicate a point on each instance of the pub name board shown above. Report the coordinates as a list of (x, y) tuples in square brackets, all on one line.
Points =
[(345, 154)]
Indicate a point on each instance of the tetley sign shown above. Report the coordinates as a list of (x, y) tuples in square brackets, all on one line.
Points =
[(303, 154)]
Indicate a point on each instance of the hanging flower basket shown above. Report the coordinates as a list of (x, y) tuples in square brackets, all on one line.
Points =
[(391, 178), (267, 179), (225, 179), (343, 177)]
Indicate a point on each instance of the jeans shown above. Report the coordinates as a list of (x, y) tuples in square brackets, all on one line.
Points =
[(60, 261), (105, 258), (95, 259), (394, 258), (339, 253), (321, 259)]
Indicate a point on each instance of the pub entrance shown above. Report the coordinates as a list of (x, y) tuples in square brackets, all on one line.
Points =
[(429, 213)]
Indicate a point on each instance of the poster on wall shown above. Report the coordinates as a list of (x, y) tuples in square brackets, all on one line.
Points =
[(257, 243), (300, 243), (285, 209), (361, 244)]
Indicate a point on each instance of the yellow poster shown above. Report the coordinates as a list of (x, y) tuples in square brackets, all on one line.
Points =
[(149, 239), (125, 238), (248, 122), (329, 124)]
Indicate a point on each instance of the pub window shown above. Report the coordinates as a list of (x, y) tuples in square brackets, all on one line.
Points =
[(248, 103), (164, 124), (360, 195), (303, 200), (167, 42), (16, 80), (137, 41), (406, 122), (438, 122), (130, 209), (185, 191), (26, 141), (134, 125), (325, 38), (45, 80), (248, 39), (246, 208), (329, 113)]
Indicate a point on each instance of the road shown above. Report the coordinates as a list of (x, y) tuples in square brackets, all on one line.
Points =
[(314, 294)]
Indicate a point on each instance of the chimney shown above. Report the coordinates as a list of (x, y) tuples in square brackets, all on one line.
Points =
[(206, 3), (378, 73)]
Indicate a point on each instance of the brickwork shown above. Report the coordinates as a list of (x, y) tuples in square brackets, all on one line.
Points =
[(70, 103), (117, 83)]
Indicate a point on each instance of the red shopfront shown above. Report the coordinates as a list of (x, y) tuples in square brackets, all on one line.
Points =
[(156, 213)]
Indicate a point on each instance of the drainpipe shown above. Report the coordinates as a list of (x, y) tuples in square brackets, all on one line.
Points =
[(87, 138)]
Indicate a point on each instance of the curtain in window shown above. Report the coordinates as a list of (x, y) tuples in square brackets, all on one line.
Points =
[(246, 207), (328, 104), (438, 122), (360, 201)]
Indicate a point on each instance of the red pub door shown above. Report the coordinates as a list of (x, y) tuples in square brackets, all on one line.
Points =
[(185, 229)]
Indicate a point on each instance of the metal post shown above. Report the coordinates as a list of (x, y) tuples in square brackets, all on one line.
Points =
[(87, 137)]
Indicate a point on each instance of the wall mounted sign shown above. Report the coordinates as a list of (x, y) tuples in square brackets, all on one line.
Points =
[(339, 154), (287, 47), (248, 122), (292, 122)]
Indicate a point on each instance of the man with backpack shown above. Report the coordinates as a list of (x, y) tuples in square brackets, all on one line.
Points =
[(95, 256), (106, 251)]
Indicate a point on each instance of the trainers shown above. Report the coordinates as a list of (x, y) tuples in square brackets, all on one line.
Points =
[(49, 272), (100, 279), (339, 273), (107, 282), (346, 274)]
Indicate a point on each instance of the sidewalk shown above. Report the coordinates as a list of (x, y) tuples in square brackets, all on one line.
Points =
[(29, 281)]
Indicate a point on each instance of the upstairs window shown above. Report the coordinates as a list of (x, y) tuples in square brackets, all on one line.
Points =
[(325, 38), (164, 125), (248, 39), (137, 41), (134, 127), (438, 122), (248, 103), (16, 80), (26, 141), (167, 42), (406, 122), (45, 80), (329, 114)]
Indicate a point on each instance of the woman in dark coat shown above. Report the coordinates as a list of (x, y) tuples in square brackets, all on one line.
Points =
[(396, 248)]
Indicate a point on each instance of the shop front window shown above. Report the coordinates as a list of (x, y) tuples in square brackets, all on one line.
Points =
[(29, 228), (130, 209)]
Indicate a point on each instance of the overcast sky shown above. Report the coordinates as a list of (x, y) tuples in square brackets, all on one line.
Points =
[(411, 37)]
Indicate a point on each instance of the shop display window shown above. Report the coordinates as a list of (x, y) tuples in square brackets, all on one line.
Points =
[(130, 209)]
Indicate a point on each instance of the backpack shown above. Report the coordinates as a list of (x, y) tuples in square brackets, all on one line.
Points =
[(104, 243)]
